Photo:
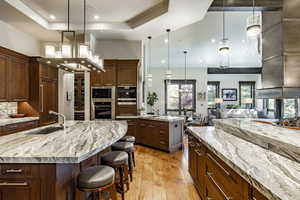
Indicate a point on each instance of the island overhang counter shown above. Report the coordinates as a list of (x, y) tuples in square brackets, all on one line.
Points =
[(37, 166)]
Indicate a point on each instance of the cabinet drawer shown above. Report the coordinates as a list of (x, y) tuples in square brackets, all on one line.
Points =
[(212, 192), (227, 181), (28, 125), (18, 171)]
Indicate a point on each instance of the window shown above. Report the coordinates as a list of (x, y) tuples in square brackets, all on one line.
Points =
[(177, 102), (247, 91), (270, 105), (290, 108), (213, 91)]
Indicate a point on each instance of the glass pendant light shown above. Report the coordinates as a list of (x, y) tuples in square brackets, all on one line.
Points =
[(253, 24), (168, 74), (224, 48), (149, 75)]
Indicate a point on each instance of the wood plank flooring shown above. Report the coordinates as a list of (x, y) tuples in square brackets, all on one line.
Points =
[(161, 176)]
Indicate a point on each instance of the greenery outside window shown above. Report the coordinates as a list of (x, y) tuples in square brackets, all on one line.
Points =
[(247, 91), (213, 91), (177, 102)]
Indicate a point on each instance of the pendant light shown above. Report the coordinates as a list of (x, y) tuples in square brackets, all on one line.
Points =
[(224, 44), (149, 75), (185, 89), (72, 56), (253, 24), (168, 74)]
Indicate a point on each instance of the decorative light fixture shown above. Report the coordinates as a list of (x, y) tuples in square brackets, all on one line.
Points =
[(224, 45), (185, 89), (72, 55), (253, 24), (149, 75), (168, 74)]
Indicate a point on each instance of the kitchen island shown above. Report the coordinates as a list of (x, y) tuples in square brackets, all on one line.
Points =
[(226, 166), (159, 132), (37, 166)]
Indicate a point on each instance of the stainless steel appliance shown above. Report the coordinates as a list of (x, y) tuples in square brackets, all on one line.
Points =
[(103, 102), (127, 95)]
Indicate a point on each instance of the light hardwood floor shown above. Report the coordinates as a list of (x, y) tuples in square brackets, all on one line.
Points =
[(161, 176)]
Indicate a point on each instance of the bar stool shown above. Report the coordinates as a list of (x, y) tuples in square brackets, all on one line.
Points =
[(127, 139), (119, 161), (96, 179), (130, 139), (128, 147)]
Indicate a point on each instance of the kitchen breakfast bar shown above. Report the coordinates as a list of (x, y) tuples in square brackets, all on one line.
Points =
[(37, 165)]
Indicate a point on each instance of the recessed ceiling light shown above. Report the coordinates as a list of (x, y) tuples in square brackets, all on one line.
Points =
[(243, 41), (163, 61), (166, 41), (96, 17), (52, 17), (201, 61), (213, 40)]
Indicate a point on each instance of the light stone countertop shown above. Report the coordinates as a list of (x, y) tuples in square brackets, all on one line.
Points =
[(79, 141), (283, 141), (8, 121), (154, 117), (275, 176)]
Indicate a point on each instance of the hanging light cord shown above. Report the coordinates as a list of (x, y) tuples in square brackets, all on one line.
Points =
[(253, 6), (168, 30), (149, 54), (185, 65), (84, 20), (68, 15), (223, 19)]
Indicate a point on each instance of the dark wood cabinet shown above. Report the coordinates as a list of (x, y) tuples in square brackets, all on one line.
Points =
[(126, 110), (43, 92), (107, 78), (3, 77), (19, 189), (14, 75), (17, 127), (79, 93), (127, 72), (214, 179)]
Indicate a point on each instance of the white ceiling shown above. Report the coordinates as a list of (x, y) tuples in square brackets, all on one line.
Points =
[(107, 10), (196, 39)]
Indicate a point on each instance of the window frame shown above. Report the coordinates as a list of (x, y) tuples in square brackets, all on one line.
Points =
[(253, 89), (180, 82), (217, 84)]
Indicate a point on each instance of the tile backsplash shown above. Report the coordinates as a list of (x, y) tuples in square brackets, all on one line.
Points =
[(7, 108)]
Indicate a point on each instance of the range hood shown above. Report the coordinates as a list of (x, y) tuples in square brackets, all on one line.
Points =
[(281, 52)]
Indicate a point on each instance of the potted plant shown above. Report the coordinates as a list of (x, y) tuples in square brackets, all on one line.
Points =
[(151, 100)]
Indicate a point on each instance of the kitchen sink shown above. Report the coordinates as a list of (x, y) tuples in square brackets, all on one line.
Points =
[(49, 130)]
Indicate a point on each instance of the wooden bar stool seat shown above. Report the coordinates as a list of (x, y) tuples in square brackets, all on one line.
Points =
[(128, 147), (96, 180), (119, 161)]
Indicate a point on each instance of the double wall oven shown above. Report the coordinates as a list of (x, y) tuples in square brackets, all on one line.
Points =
[(103, 102)]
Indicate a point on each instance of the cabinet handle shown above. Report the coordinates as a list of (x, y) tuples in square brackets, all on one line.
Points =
[(14, 171), (198, 153), (209, 198), (209, 174), (42, 95), (217, 163), (13, 184)]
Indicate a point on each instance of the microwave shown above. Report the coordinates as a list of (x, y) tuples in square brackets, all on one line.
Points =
[(103, 92), (126, 93)]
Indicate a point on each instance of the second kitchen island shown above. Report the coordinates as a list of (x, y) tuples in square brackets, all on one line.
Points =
[(39, 166), (159, 132)]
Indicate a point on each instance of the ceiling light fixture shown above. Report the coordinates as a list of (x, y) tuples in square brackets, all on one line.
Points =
[(213, 40), (72, 53), (149, 75), (168, 74), (224, 45), (52, 17), (253, 24), (166, 41), (96, 17)]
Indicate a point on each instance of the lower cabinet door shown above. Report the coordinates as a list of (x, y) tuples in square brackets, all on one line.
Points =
[(212, 192), (19, 190)]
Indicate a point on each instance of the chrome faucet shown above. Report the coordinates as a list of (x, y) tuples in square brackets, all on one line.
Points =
[(63, 124)]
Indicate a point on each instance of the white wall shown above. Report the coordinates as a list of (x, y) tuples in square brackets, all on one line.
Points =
[(66, 84), (198, 74), (119, 49), (13, 39), (232, 81)]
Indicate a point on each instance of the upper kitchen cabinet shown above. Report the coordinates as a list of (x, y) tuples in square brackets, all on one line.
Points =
[(3, 77), (107, 78), (127, 72), (14, 74)]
